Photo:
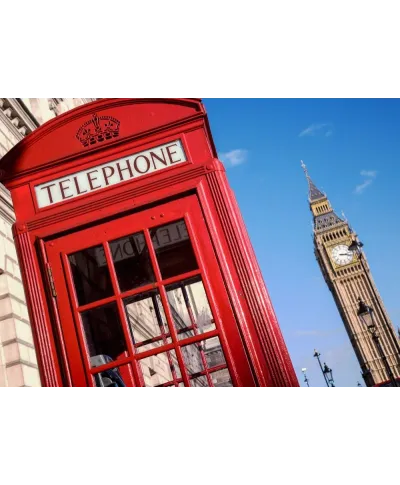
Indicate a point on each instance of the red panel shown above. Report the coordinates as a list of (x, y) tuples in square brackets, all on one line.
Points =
[(42, 332), (137, 118), (237, 288), (227, 328), (252, 283)]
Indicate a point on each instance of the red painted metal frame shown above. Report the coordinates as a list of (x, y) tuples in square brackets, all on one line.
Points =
[(188, 208), (53, 151)]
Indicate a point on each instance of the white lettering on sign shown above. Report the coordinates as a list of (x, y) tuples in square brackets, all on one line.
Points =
[(132, 246), (111, 173)]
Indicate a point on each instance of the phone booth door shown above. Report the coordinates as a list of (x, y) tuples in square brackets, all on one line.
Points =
[(142, 302)]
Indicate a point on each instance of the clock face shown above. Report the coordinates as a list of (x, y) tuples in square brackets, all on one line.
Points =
[(341, 255)]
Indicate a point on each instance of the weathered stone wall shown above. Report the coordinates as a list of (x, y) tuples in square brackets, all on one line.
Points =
[(18, 364)]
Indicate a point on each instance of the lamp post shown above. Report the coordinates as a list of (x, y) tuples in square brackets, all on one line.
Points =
[(326, 371), (355, 247), (305, 377), (366, 315)]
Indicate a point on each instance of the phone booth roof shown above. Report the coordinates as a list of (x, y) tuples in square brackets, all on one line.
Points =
[(126, 119)]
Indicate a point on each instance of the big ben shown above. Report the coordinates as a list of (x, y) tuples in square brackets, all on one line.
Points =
[(347, 273)]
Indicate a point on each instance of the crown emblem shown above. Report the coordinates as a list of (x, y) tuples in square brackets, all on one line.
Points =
[(98, 129)]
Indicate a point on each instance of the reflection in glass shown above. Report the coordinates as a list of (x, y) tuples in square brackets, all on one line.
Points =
[(203, 356), (214, 353), (174, 250), (147, 321), (91, 276), (222, 378), (132, 262), (103, 333), (199, 382), (192, 356), (158, 369), (190, 308)]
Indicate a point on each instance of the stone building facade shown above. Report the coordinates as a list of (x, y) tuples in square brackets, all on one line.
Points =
[(18, 364)]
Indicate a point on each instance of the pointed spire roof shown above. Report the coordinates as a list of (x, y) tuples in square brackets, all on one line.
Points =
[(326, 218), (313, 192)]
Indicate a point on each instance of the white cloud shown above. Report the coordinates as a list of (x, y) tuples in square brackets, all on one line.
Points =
[(369, 177), (360, 188), (318, 127), (369, 173), (234, 157)]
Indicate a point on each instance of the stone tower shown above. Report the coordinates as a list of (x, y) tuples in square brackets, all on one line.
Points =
[(349, 278)]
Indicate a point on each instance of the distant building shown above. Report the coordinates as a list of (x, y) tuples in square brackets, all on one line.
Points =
[(349, 278)]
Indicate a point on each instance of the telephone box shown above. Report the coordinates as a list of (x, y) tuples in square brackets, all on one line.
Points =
[(136, 263)]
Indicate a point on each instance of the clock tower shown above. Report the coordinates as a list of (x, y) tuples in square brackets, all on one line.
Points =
[(349, 279)]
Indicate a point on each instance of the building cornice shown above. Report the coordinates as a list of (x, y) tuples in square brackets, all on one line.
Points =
[(6, 208), (319, 232), (23, 112), (6, 121), (28, 117), (16, 118)]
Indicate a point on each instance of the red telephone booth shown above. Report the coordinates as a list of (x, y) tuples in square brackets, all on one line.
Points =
[(137, 267)]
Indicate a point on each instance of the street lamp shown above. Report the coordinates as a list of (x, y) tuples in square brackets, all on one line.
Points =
[(366, 315), (329, 375), (326, 371), (355, 247), (305, 377)]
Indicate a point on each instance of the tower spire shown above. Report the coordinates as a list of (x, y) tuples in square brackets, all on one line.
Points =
[(314, 193), (324, 215), (304, 167)]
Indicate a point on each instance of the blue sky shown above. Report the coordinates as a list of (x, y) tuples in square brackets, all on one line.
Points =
[(352, 150)]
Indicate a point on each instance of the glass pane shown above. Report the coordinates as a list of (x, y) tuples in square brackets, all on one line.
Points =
[(91, 276), (222, 378), (190, 308), (104, 336), (118, 377), (147, 321), (173, 249), (214, 353), (192, 356), (203, 356), (132, 262), (199, 382), (158, 369)]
